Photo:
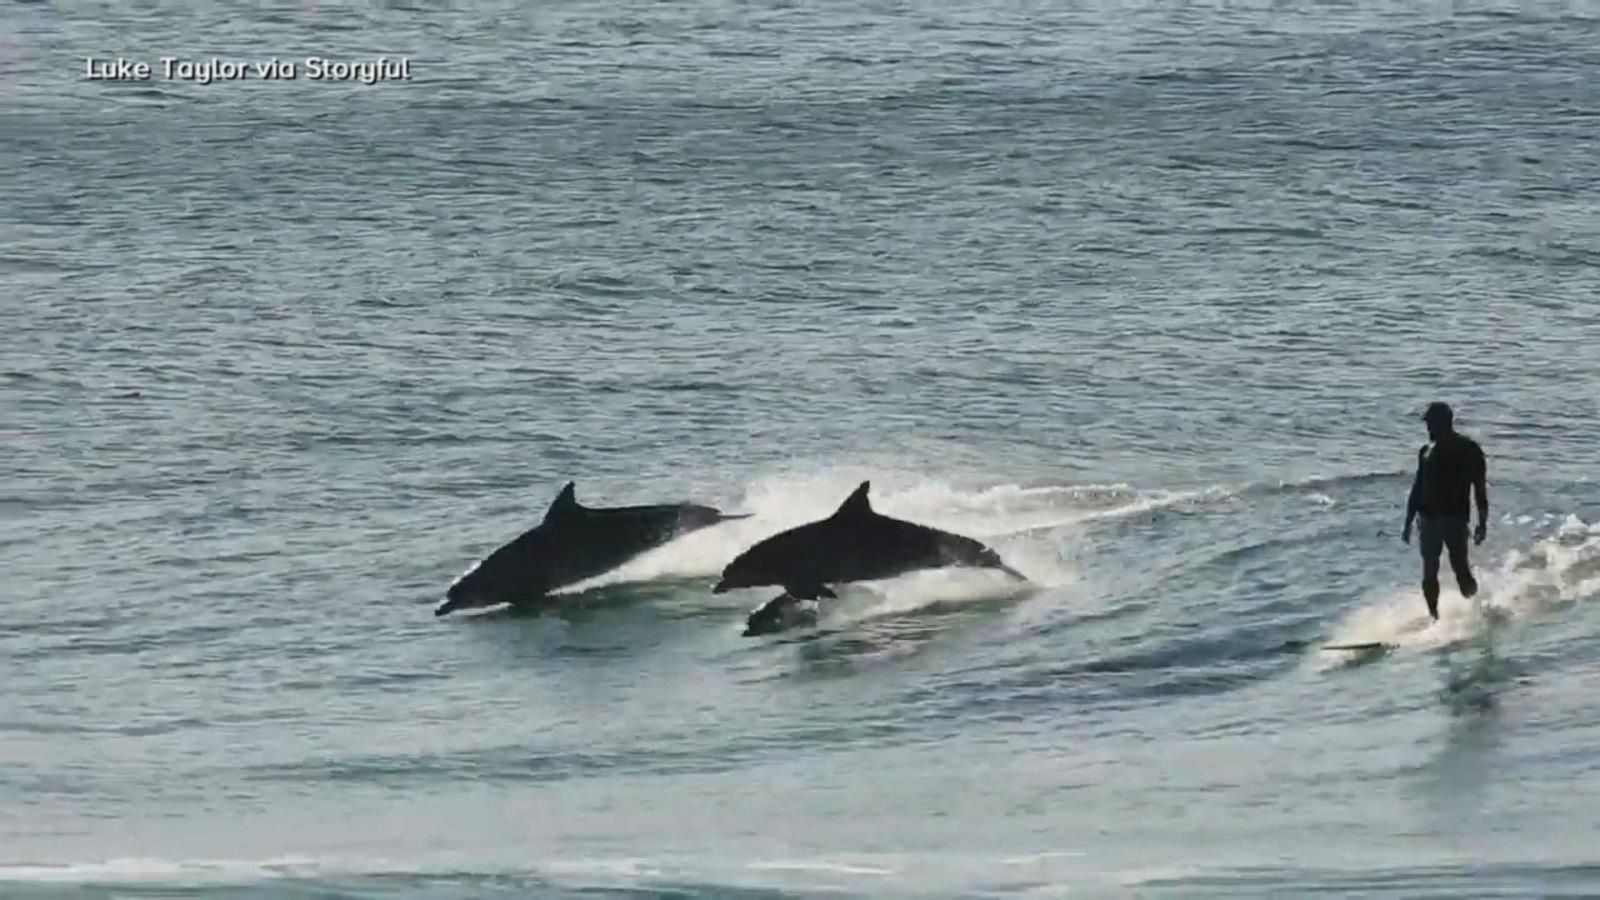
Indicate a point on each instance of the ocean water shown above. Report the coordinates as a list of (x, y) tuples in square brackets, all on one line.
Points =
[(1148, 296)]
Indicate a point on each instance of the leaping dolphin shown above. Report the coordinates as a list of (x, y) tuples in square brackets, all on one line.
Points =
[(572, 543), (856, 543)]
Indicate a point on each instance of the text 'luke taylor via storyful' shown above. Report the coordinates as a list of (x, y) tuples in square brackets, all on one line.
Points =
[(208, 70)]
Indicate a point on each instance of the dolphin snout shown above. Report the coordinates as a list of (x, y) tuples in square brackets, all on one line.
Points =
[(721, 587), (463, 593), (692, 518)]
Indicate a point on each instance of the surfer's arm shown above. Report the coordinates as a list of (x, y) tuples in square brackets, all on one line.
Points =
[(1415, 497), (1480, 488)]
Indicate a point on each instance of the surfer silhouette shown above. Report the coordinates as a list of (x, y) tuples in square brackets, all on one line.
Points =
[(1449, 467)]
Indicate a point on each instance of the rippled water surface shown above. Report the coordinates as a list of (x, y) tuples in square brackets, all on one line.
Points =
[(1148, 297)]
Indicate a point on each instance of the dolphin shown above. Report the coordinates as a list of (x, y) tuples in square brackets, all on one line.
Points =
[(572, 543), (856, 543)]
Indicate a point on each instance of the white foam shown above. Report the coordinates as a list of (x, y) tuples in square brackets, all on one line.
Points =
[(1006, 517), (586, 872), (625, 867), (820, 865), (919, 590), (1561, 568), (1046, 856), (233, 872), (145, 869)]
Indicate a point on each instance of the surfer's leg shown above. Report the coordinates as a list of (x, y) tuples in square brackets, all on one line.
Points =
[(1431, 544), (1430, 586), (1455, 540)]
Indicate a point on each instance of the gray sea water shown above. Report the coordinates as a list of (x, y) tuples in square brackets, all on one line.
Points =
[(1149, 296)]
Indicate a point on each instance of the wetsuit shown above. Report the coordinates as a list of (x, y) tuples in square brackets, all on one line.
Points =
[(1447, 469)]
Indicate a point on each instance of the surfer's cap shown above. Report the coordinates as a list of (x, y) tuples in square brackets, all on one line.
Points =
[(1438, 411)]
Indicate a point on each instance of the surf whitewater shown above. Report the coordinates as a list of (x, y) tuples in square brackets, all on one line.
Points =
[(1172, 632), (1043, 527)]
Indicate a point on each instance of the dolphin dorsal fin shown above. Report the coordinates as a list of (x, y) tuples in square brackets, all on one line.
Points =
[(565, 502), (856, 504)]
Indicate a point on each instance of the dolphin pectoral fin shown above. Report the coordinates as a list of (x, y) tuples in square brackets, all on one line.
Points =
[(777, 614), (825, 591)]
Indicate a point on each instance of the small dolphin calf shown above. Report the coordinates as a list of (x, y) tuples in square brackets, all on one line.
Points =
[(856, 543), (573, 543)]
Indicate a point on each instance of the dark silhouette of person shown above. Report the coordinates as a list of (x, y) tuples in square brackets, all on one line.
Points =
[(1449, 466)]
